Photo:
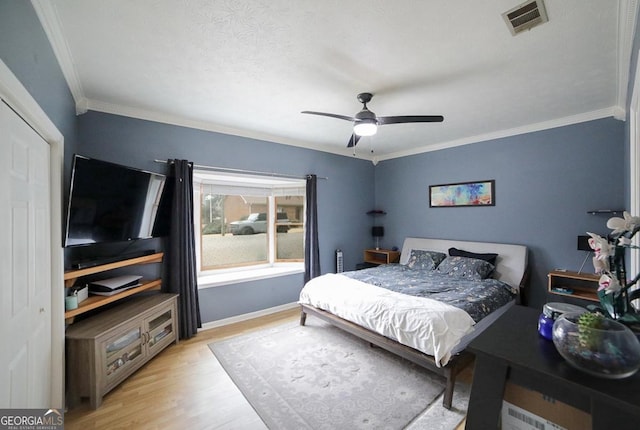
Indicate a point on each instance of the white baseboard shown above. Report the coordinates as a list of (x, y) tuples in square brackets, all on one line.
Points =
[(251, 315)]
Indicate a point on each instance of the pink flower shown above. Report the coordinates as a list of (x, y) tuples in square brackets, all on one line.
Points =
[(601, 247), (609, 284)]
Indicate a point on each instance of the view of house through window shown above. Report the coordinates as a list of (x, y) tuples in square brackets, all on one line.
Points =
[(290, 214), (248, 221)]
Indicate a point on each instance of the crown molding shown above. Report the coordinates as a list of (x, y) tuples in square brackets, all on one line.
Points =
[(559, 122), (98, 106), (48, 16), (627, 13), (148, 115)]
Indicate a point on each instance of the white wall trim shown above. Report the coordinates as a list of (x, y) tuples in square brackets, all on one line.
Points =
[(612, 111), (634, 163), (48, 16), (251, 315), (165, 118), (16, 96), (627, 12)]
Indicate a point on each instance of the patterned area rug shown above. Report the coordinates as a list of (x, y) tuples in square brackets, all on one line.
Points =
[(320, 377)]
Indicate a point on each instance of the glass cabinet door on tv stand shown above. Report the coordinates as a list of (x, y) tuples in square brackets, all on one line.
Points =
[(122, 352), (159, 331)]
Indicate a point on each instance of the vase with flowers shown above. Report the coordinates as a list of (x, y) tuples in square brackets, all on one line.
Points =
[(614, 289)]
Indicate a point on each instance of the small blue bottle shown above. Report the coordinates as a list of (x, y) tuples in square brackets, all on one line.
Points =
[(545, 325), (550, 312)]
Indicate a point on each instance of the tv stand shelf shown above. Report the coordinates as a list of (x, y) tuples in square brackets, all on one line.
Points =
[(93, 302)]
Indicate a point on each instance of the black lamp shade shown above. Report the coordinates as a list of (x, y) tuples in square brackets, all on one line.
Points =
[(377, 231), (583, 243)]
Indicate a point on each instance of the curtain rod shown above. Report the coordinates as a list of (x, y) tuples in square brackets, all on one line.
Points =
[(255, 172)]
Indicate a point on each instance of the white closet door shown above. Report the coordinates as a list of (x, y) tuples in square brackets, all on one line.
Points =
[(25, 262)]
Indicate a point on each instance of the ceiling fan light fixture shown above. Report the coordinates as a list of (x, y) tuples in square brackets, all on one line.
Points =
[(365, 122), (365, 128)]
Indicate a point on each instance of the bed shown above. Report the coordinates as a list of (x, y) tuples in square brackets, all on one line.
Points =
[(429, 306)]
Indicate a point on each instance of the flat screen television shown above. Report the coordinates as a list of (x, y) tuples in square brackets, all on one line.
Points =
[(109, 202)]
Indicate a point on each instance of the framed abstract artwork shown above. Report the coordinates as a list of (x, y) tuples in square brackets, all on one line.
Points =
[(478, 193)]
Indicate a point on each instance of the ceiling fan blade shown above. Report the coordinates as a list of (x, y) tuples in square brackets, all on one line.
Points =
[(332, 115), (353, 141), (409, 118)]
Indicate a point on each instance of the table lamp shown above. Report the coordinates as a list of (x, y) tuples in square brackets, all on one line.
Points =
[(377, 231), (583, 245)]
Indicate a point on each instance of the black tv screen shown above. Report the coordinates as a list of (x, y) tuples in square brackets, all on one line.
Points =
[(113, 203)]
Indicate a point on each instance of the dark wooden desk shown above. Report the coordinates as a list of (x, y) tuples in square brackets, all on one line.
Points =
[(511, 349)]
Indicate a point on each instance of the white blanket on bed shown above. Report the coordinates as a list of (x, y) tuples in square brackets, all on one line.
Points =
[(427, 325)]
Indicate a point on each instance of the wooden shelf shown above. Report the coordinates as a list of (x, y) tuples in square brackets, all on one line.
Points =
[(71, 276), (583, 285), (96, 301)]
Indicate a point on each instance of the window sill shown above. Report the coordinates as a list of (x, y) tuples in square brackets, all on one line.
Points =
[(246, 275)]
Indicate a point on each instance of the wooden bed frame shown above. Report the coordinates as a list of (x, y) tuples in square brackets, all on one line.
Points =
[(513, 271)]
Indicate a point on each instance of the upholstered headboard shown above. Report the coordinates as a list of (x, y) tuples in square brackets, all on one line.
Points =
[(511, 264)]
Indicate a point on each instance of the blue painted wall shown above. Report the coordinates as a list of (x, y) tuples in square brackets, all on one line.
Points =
[(545, 184), (25, 49), (343, 199)]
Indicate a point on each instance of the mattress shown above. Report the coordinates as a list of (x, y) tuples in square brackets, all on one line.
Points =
[(427, 325)]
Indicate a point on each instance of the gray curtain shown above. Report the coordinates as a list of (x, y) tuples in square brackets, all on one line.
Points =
[(311, 247), (181, 249)]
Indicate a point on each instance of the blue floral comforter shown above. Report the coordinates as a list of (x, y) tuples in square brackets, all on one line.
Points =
[(477, 298)]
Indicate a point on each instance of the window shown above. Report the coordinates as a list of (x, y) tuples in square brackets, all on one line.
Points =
[(247, 222)]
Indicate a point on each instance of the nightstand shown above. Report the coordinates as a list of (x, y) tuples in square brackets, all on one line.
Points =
[(381, 256), (573, 287)]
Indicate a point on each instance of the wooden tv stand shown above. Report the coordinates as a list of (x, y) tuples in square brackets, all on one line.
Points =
[(103, 350)]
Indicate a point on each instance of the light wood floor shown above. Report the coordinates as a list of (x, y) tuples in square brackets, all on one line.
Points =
[(183, 387)]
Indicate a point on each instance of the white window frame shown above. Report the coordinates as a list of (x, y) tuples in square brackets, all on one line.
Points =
[(273, 268)]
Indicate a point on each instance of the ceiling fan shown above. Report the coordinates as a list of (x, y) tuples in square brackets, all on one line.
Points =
[(366, 123)]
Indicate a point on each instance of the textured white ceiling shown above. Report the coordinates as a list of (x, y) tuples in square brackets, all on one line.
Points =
[(248, 67)]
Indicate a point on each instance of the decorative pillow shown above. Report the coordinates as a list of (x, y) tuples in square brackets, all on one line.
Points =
[(425, 260), (491, 258), (465, 267)]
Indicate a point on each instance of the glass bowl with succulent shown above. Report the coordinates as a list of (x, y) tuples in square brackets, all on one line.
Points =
[(597, 345)]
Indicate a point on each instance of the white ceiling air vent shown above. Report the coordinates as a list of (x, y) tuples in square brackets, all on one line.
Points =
[(525, 16)]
